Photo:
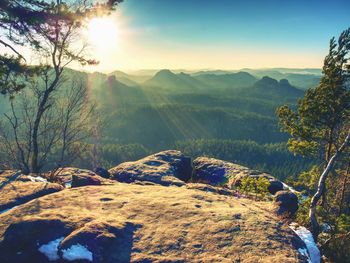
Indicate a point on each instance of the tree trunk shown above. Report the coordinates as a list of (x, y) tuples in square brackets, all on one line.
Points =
[(342, 194), (315, 227), (327, 157), (35, 167), (34, 161)]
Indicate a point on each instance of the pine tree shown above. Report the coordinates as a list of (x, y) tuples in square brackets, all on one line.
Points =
[(320, 124)]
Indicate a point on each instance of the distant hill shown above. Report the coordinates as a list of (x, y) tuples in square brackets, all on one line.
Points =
[(123, 78), (303, 81), (304, 71), (226, 81), (315, 71), (129, 79), (114, 94), (301, 78), (270, 88), (193, 82), (185, 82), (178, 82), (216, 72)]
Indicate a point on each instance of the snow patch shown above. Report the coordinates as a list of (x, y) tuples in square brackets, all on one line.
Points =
[(313, 253), (50, 250), (287, 187), (303, 251), (77, 252), (37, 179)]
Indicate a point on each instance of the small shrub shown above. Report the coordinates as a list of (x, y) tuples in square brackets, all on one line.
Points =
[(256, 186)]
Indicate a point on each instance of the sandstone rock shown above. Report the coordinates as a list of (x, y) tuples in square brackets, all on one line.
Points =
[(45, 240), (217, 172), (286, 203), (102, 172), (209, 188), (164, 168), (146, 224), (64, 176), (21, 241), (214, 171), (16, 189), (275, 186), (107, 242), (84, 180)]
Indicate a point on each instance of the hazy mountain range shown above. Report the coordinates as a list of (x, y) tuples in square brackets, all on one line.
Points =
[(156, 110), (301, 78)]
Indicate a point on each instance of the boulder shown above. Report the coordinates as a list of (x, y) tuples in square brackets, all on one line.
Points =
[(286, 203), (221, 173), (22, 240), (275, 186), (164, 168), (56, 239), (102, 241), (84, 180), (64, 176), (217, 172), (16, 189), (102, 172)]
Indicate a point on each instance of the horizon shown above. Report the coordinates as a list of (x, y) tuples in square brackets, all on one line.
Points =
[(223, 35), (192, 71)]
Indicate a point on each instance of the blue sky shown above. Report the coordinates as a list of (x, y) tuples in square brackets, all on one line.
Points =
[(227, 34)]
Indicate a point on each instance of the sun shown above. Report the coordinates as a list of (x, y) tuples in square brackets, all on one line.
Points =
[(103, 33)]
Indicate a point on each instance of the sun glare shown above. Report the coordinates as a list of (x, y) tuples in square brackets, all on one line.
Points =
[(103, 33)]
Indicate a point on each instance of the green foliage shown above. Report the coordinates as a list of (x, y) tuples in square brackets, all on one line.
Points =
[(256, 186), (343, 223), (333, 215), (114, 154), (302, 216), (335, 238), (110, 155), (317, 128), (324, 111), (307, 180)]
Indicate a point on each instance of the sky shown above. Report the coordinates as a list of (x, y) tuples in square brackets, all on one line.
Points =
[(219, 34)]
